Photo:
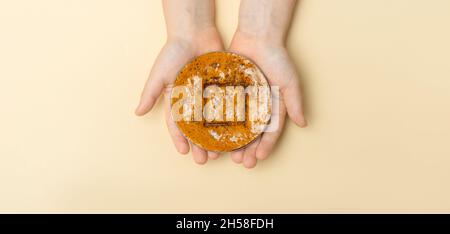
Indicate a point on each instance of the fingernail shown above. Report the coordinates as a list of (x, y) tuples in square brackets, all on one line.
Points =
[(137, 110), (303, 123)]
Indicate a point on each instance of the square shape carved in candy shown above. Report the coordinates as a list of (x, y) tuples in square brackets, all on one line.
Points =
[(221, 101)]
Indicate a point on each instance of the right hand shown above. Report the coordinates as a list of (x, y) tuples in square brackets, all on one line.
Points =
[(174, 55)]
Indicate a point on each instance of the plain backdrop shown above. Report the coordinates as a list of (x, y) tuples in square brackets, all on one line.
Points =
[(376, 79)]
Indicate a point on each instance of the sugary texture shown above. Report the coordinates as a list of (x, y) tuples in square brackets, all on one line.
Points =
[(223, 69)]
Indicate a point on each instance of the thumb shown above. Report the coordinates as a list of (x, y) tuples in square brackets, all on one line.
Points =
[(293, 100), (150, 94), (163, 71)]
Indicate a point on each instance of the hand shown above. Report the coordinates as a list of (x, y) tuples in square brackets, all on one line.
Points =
[(191, 32), (260, 37)]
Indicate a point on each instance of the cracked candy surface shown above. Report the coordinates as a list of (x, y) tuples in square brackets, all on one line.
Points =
[(233, 131)]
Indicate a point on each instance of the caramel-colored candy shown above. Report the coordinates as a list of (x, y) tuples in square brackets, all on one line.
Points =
[(221, 101)]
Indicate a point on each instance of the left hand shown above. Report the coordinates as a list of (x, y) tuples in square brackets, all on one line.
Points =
[(274, 61)]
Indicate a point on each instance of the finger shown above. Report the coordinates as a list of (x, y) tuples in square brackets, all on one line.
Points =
[(200, 156), (250, 154), (180, 142), (269, 139), (213, 155), (165, 68), (293, 100), (237, 156)]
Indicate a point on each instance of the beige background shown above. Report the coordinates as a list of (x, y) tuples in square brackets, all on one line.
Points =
[(376, 77)]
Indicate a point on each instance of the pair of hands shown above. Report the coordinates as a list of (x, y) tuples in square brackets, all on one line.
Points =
[(259, 39)]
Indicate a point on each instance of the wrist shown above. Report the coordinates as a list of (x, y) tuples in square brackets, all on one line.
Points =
[(187, 18), (265, 20), (207, 37), (270, 38), (191, 32)]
